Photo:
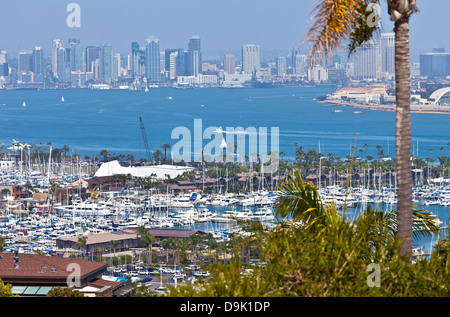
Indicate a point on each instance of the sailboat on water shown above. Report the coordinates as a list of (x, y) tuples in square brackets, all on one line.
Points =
[(62, 99), (24, 104)]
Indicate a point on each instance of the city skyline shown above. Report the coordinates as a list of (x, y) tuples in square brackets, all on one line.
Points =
[(240, 23)]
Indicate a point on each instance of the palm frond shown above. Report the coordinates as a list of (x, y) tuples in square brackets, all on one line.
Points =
[(300, 200), (425, 223), (334, 21)]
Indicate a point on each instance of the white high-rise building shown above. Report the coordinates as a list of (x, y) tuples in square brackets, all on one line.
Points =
[(173, 62), (117, 66), (281, 66), (299, 65), (250, 59), (388, 54), (367, 61), (57, 44)]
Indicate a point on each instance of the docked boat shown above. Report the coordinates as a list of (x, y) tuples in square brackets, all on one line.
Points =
[(263, 214)]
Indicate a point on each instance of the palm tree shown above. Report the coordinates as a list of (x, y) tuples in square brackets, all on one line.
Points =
[(81, 242), (165, 146), (301, 202), (336, 21), (147, 239), (65, 150), (113, 245), (105, 153)]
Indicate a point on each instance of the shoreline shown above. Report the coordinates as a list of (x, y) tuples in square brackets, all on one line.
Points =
[(414, 108)]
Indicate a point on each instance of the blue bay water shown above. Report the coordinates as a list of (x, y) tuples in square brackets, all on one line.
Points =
[(89, 121)]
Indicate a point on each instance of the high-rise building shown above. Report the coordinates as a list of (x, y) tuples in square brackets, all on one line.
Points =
[(38, 61), (117, 67), (77, 58), (105, 63), (367, 61), (299, 65), (195, 56), (173, 64), (281, 66), (92, 54), (56, 45), (25, 63), (435, 64), (152, 60), (250, 59), (167, 55), (229, 64), (4, 67), (135, 59), (388, 54), (62, 65)]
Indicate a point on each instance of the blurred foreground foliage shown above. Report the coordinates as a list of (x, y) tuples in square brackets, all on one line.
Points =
[(323, 254)]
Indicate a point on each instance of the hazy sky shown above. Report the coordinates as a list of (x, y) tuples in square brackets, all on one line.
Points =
[(222, 25)]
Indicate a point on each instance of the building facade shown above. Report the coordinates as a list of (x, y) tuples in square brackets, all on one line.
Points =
[(251, 59)]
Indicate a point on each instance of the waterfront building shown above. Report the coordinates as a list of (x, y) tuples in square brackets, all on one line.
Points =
[(229, 64), (435, 64), (78, 79), (367, 61), (33, 275), (200, 79), (161, 171), (251, 59), (318, 74), (388, 54), (235, 80), (105, 63), (152, 60), (195, 56)]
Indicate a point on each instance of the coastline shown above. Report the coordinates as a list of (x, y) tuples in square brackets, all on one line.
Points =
[(391, 108)]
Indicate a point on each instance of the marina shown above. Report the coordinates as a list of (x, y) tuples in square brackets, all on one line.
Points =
[(32, 223)]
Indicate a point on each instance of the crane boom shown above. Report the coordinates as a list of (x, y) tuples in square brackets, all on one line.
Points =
[(144, 136)]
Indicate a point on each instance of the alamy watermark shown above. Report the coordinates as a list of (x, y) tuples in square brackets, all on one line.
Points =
[(374, 278), (74, 18), (74, 278), (374, 17), (234, 144)]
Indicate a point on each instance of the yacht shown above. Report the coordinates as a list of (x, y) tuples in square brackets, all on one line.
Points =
[(84, 208), (263, 214)]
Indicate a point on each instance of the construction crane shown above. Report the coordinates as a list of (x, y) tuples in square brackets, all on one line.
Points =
[(144, 136)]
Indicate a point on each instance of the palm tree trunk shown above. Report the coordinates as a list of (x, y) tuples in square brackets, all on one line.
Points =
[(403, 135)]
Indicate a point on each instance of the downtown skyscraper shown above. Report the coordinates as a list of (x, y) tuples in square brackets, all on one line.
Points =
[(229, 64), (387, 48), (367, 61), (195, 56), (152, 60), (251, 59), (106, 63)]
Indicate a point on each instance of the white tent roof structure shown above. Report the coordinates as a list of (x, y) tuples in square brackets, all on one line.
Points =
[(114, 168)]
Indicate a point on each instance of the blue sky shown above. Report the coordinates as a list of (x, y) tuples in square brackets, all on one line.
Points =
[(223, 25)]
